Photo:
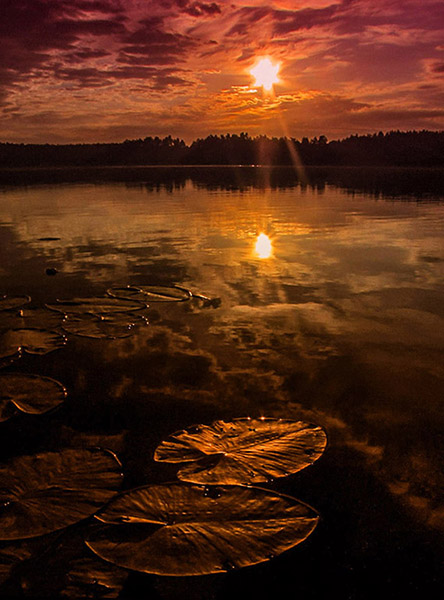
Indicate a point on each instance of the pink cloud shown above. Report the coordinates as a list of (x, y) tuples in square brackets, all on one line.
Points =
[(174, 57)]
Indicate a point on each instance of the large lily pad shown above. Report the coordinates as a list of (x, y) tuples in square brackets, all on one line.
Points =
[(113, 326), (49, 491), (151, 293), (12, 302), (30, 340), (199, 530), (32, 394), (243, 450), (96, 306)]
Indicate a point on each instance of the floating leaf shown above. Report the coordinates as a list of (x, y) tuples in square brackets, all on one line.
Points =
[(25, 318), (243, 450), (39, 318), (7, 409), (50, 491), (31, 340), (205, 302), (199, 530), (91, 578), (119, 325), (32, 394), (95, 306), (151, 293), (11, 302), (10, 556)]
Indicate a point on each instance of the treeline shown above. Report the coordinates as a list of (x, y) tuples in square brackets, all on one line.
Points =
[(394, 148)]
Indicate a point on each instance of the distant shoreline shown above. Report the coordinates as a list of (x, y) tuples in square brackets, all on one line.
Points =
[(395, 148)]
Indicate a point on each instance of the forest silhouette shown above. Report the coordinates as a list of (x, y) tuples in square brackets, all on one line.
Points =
[(394, 148)]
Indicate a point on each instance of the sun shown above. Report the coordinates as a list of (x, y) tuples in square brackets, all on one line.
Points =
[(266, 73)]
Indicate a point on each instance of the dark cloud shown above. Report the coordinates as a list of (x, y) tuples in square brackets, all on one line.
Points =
[(33, 30), (367, 57), (246, 18), (198, 9), (150, 43), (80, 56), (194, 9), (44, 37), (288, 21)]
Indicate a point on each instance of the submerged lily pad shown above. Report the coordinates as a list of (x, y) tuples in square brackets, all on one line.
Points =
[(32, 394), (243, 450), (114, 326), (96, 306), (11, 302), (151, 293), (93, 578), (179, 529), (49, 491), (30, 340), (10, 556), (40, 318), (25, 318)]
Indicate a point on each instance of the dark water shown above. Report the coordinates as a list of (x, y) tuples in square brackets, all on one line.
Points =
[(342, 325)]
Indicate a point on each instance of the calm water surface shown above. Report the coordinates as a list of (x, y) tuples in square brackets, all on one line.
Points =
[(339, 322)]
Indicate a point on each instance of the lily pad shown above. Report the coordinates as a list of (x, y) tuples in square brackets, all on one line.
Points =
[(30, 340), (49, 491), (179, 529), (243, 450), (10, 556), (12, 302), (32, 394), (151, 293), (93, 578), (25, 318), (119, 325), (40, 318), (96, 306)]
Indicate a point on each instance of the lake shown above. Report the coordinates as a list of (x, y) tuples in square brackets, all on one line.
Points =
[(334, 316)]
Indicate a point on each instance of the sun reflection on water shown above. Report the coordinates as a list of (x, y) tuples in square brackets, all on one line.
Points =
[(263, 247)]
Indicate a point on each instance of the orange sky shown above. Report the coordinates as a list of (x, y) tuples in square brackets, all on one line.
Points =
[(107, 70)]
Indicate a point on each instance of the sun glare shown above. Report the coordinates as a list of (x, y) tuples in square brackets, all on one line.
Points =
[(263, 247), (266, 73)]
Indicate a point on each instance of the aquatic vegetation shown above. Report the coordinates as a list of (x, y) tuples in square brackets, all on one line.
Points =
[(10, 555), (12, 302), (34, 318), (93, 578), (96, 305), (117, 325), (30, 340), (183, 529), (151, 293), (49, 491), (243, 450), (30, 394), (212, 521)]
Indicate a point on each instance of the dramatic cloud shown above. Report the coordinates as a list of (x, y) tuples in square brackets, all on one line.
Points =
[(84, 70)]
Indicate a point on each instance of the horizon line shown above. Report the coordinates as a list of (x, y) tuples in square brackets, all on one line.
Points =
[(231, 134)]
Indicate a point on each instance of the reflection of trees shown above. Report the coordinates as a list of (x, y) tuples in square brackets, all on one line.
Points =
[(396, 148)]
